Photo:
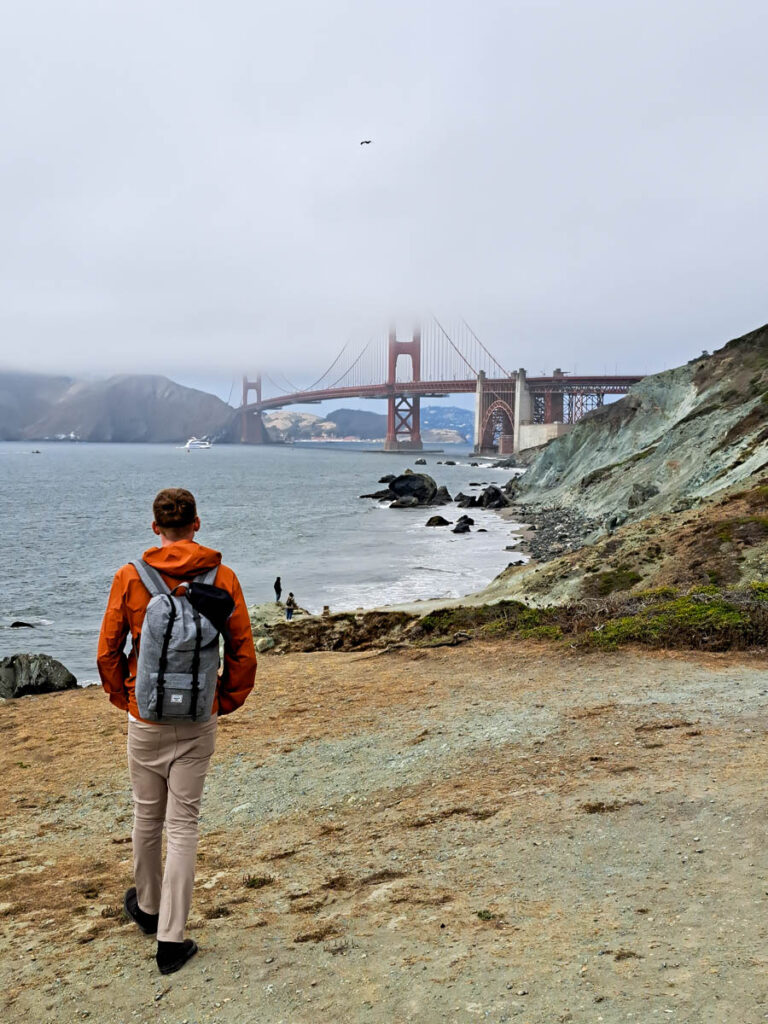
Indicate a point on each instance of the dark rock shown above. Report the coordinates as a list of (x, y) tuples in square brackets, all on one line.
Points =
[(466, 519), (461, 528), (641, 493), (21, 625), (442, 497), (466, 500), (379, 495), (437, 521), (407, 501), (387, 478), (23, 674), (449, 462), (420, 462), (482, 529), (474, 463), (414, 485), (493, 497)]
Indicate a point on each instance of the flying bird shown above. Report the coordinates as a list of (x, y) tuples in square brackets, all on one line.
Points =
[(365, 142)]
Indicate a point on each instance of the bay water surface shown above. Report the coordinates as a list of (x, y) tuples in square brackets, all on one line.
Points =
[(74, 513)]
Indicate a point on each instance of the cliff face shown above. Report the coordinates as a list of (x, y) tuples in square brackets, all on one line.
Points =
[(130, 408), (24, 398), (677, 437), (674, 478)]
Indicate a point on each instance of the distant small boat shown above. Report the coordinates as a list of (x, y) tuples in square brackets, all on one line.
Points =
[(197, 442)]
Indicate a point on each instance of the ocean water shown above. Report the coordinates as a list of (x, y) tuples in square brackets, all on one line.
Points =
[(75, 513)]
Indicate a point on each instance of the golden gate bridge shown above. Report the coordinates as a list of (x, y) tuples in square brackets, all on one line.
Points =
[(512, 410)]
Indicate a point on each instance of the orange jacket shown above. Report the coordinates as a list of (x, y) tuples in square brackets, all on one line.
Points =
[(128, 600)]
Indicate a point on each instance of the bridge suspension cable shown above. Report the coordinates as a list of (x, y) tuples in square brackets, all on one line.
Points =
[(352, 365), (482, 346), (455, 347), (276, 386), (290, 384), (322, 378)]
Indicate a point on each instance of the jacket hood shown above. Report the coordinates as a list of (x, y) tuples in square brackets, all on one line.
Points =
[(183, 559)]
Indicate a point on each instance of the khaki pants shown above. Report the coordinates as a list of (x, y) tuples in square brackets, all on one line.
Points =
[(168, 765)]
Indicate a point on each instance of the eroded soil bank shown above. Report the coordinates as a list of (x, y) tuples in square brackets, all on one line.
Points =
[(502, 831)]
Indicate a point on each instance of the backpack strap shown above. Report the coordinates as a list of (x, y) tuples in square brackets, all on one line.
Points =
[(207, 577), (163, 663), (151, 578), (196, 663)]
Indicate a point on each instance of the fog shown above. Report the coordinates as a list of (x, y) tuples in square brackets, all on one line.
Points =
[(183, 189)]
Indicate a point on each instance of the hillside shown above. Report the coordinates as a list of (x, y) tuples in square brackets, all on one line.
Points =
[(287, 424), (678, 437), (129, 407), (448, 417), (25, 398), (673, 480)]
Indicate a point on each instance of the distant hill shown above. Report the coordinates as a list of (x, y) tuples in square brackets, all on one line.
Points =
[(437, 425), (368, 426), (129, 407), (448, 417), (25, 398)]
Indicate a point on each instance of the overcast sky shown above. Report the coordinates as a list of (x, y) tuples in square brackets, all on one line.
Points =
[(183, 189)]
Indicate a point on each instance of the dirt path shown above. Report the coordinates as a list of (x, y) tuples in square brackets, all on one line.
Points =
[(496, 832)]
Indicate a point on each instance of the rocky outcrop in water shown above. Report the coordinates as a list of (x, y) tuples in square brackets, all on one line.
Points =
[(411, 490), (492, 497), (23, 674)]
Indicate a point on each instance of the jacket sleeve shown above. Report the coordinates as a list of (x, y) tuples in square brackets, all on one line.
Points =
[(111, 660), (239, 672)]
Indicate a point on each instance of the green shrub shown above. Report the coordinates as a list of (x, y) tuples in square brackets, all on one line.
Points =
[(605, 583), (713, 624)]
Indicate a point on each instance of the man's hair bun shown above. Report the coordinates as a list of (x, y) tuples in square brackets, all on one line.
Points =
[(173, 508)]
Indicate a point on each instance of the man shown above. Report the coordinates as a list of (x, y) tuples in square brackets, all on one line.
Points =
[(278, 590), (290, 606), (168, 763)]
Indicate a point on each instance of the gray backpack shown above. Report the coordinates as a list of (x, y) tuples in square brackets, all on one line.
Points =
[(178, 661)]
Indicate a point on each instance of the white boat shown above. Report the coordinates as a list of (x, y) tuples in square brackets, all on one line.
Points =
[(197, 442)]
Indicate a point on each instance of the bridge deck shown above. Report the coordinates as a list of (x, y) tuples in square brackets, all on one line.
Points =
[(614, 385)]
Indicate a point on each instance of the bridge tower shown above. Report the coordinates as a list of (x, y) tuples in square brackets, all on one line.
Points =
[(403, 408), (252, 429)]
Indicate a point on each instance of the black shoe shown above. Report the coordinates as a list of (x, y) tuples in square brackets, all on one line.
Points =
[(147, 922), (171, 956)]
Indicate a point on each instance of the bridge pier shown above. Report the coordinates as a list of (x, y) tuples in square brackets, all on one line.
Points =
[(495, 416), (403, 408)]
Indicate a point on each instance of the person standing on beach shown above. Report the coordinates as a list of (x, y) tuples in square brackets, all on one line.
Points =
[(168, 762), (290, 607), (278, 590)]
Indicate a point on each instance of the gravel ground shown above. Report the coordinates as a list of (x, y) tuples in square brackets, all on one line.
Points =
[(498, 832)]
